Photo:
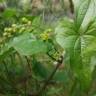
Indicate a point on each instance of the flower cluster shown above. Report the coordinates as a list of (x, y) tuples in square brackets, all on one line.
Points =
[(46, 34), (26, 21), (15, 30), (24, 25)]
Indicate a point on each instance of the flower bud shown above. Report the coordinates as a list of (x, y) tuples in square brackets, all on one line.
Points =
[(14, 25), (24, 20), (29, 23), (44, 36), (5, 34)]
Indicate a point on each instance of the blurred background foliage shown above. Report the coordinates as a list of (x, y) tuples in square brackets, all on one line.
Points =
[(50, 11)]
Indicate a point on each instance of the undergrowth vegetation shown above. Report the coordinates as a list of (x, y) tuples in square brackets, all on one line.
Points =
[(39, 58)]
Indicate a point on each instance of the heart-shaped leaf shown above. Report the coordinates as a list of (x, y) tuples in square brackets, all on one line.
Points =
[(27, 44), (84, 12), (78, 38)]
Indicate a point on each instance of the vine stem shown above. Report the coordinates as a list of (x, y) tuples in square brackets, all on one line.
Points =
[(29, 65), (71, 6), (39, 93), (59, 62)]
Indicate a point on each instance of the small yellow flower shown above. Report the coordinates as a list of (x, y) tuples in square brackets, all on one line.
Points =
[(22, 29), (14, 25), (14, 30), (24, 20), (5, 29), (5, 34), (10, 29), (45, 36), (49, 30), (29, 23), (56, 55)]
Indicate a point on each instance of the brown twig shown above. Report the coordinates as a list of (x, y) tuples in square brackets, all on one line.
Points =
[(39, 93), (71, 6), (59, 62)]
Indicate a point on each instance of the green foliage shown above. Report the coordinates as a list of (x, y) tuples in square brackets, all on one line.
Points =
[(27, 45), (33, 63), (9, 13), (75, 39)]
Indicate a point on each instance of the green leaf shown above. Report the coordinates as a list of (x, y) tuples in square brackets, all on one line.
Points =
[(85, 11), (76, 45), (77, 4), (1, 1), (40, 70), (37, 21), (9, 13), (62, 77), (5, 51), (65, 34), (27, 44), (82, 10)]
